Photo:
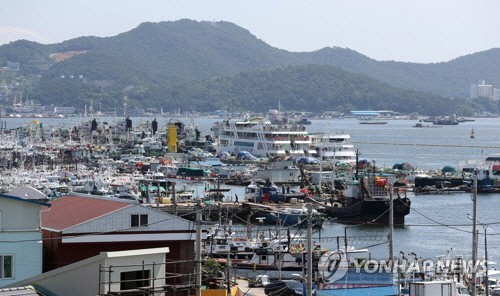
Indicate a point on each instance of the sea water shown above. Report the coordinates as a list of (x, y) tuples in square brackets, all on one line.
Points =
[(434, 225)]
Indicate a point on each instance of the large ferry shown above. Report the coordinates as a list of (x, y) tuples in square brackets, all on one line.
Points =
[(262, 139), (333, 147)]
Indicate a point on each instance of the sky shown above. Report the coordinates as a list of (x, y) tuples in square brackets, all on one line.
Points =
[(422, 31)]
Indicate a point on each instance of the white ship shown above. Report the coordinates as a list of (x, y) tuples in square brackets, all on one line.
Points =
[(333, 147), (262, 139)]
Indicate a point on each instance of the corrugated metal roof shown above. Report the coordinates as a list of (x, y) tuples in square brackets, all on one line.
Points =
[(24, 199), (72, 210), (18, 291)]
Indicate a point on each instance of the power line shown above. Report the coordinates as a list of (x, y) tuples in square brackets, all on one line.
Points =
[(96, 233)]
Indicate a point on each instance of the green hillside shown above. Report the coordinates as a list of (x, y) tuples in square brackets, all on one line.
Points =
[(182, 56), (308, 88)]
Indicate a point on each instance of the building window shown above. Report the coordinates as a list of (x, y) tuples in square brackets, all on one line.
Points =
[(6, 266), (134, 279), (139, 220)]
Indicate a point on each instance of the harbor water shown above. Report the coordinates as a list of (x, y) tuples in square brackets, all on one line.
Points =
[(436, 223)]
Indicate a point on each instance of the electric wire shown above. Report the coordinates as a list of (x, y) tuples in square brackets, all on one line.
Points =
[(98, 233)]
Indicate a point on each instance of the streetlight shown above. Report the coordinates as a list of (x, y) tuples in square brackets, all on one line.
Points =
[(485, 253)]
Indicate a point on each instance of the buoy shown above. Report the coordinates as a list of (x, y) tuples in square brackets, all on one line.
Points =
[(472, 135)]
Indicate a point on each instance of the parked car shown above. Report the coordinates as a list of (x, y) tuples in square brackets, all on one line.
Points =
[(285, 288)]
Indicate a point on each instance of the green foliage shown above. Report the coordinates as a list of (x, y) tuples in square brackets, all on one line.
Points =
[(211, 268), (307, 88), (218, 65)]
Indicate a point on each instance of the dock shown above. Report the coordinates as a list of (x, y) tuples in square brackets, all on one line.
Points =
[(213, 210)]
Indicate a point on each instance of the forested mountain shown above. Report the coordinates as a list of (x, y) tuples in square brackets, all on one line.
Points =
[(308, 88), (157, 61), (451, 79)]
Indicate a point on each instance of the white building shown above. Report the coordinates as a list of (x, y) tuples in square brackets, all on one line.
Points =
[(481, 91), (496, 94), (108, 272), (21, 237)]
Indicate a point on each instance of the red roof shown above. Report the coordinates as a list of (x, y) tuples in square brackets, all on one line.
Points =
[(68, 211)]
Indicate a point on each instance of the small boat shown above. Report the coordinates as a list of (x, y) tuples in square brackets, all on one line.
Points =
[(304, 121), (420, 125), (278, 258), (289, 216), (445, 121)]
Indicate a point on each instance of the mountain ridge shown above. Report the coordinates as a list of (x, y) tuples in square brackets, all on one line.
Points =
[(179, 52)]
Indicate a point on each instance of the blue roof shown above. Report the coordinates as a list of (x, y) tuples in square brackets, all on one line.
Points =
[(25, 200)]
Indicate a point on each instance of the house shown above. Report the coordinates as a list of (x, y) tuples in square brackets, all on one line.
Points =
[(79, 227), (134, 272), (21, 237)]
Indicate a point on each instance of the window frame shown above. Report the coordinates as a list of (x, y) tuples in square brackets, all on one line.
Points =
[(2, 265), (139, 221), (140, 279)]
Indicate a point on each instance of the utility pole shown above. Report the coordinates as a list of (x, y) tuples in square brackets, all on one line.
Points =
[(228, 259), (391, 223), (309, 250), (474, 235), (345, 239), (174, 201), (198, 247), (486, 259), (357, 161)]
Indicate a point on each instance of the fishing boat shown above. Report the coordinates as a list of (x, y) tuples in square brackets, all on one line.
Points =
[(487, 172), (283, 216), (221, 242), (445, 121), (367, 200), (420, 125), (257, 192), (280, 257)]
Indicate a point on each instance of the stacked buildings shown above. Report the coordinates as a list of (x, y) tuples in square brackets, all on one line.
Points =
[(484, 90)]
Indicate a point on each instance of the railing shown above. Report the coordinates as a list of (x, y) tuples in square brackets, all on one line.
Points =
[(147, 283)]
